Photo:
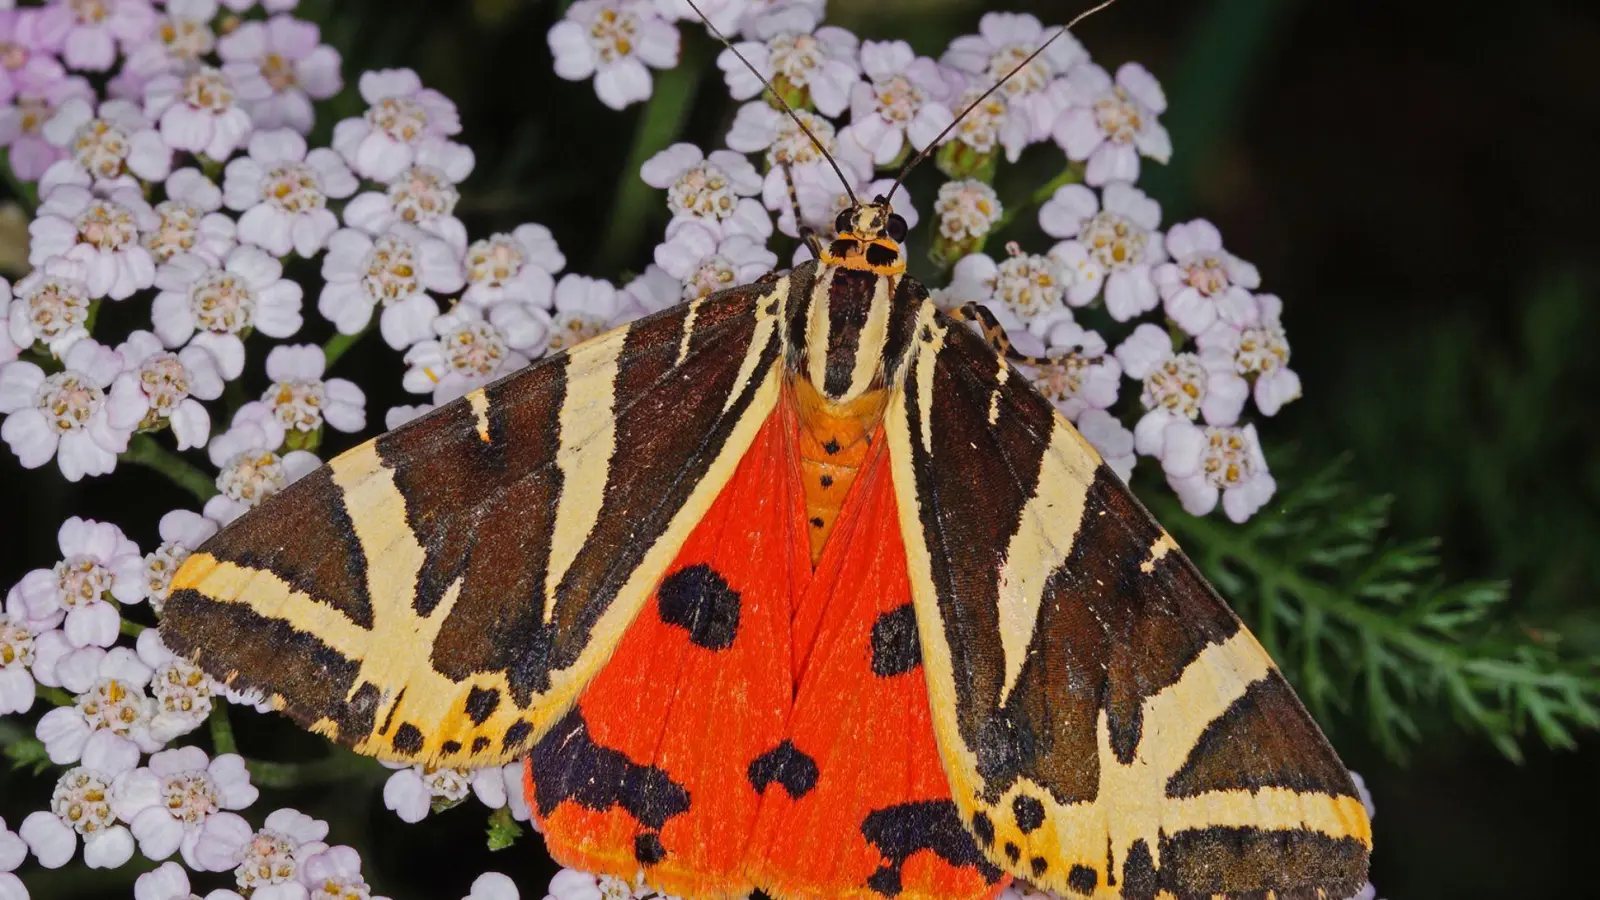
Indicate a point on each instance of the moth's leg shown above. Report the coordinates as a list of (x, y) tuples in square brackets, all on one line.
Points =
[(807, 233), (993, 334)]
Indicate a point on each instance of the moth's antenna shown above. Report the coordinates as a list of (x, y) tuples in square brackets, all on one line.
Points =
[(923, 153), (786, 108)]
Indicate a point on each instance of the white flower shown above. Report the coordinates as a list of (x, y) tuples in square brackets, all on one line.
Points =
[(1201, 276), (1203, 463), (651, 292), (904, 100), (402, 115), (13, 851), (251, 468), (16, 684), (66, 415), (267, 862), (283, 192), (514, 788), (396, 270), (797, 57), (223, 302), (726, 15), (30, 155), (718, 189), (821, 199), (89, 33), (169, 881), (470, 351), (50, 645), (167, 803), (571, 884), (201, 111), (111, 703), (966, 209), (757, 128), (51, 307), (584, 309), (1116, 245), (1026, 290), (412, 791), (1003, 41), (1111, 124), (283, 63), (515, 267), (181, 532), (399, 415), (1109, 436), (1178, 387), (104, 147), (990, 124), (301, 399), (613, 41), (189, 221), (183, 693), (493, 886), (704, 265), (424, 195), (183, 37), (1082, 378), (99, 233), (1249, 337), (81, 805), (161, 387), (335, 874)]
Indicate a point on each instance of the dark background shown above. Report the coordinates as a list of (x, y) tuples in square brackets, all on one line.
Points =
[(1417, 180)]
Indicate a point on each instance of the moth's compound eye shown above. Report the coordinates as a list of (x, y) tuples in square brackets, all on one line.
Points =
[(844, 222), (897, 228)]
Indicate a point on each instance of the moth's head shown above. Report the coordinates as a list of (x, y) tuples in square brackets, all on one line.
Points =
[(869, 239)]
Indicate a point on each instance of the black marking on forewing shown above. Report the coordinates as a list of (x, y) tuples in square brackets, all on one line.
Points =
[(408, 739), (849, 302), (305, 538), (699, 600), (903, 829), (481, 704), (298, 665), (568, 766), (1083, 879), (1265, 739), (1248, 862), (786, 765), (908, 297)]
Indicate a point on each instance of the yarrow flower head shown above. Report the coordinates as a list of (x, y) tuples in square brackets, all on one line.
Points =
[(401, 116), (169, 386), (904, 102), (584, 308), (106, 146), (1111, 240), (1024, 290), (1202, 276), (1203, 464), (516, 268), (168, 803), (16, 657), (1178, 387), (1250, 337), (266, 863), (80, 806), (251, 467), (613, 41), (423, 195), (966, 210), (471, 350), (759, 128), (202, 111), (112, 703), (301, 399), (22, 123), (216, 304), (283, 192), (181, 532), (397, 271), (1110, 124), (90, 33), (50, 308), (704, 265), (67, 415), (809, 66), (169, 881), (717, 189), (99, 233), (183, 693), (1003, 41), (282, 66), (414, 791), (189, 221)]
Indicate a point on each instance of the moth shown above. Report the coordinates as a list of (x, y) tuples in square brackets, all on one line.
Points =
[(798, 587)]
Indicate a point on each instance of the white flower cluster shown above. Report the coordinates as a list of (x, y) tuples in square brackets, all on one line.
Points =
[(167, 142)]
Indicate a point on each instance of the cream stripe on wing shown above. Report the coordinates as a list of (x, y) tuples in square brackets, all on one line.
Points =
[(688, 329), (766, 324), (870, 342), (817, 326), (588, 438)]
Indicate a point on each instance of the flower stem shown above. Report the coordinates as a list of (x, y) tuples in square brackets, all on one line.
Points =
[(132, 629), (339, 344), (54, 695), (27, 194), (222, 740), (143, 450), (1072, 174), (659, 125)]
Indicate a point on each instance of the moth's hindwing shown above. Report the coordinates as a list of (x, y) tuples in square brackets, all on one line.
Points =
[(441, 593), (1109, 727)]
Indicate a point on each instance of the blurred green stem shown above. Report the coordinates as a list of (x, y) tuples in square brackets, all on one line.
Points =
[(27, 194), (659, 125), (54, 695), (339, 344), (143, 450), (222, 740), (341, 765), (1072, 174), (132, 629)]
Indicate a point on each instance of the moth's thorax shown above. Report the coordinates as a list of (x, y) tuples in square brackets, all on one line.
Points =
[(845, 332), (833, 442)]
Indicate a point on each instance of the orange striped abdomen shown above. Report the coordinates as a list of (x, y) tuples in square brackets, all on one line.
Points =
[(834, 439)]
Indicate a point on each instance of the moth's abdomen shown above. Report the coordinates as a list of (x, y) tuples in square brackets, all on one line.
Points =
[(832, 442)]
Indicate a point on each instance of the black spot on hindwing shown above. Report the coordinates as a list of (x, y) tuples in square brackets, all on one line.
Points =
[(903, 829), (786, 765), (895, 648), (647, 849), (570, 767), (698, 599)]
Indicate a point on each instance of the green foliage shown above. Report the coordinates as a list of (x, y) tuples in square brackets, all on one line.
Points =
[(27, 754), (503, 830), (1367, 627)]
